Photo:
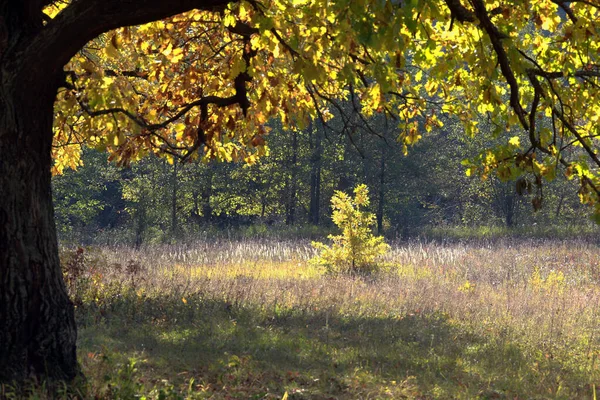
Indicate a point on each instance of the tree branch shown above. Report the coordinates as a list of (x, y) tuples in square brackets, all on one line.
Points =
[(202, 103), (460, 12), (495, 37), (83, 20)]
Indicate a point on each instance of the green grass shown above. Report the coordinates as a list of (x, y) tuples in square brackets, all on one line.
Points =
[(249, 320), (563, 231)]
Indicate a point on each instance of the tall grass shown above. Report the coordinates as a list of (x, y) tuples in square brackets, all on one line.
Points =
[(253, 319)]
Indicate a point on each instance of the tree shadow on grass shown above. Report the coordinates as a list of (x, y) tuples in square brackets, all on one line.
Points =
[(247, 352)]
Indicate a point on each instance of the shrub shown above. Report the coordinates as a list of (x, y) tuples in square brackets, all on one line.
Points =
[(356, 249)]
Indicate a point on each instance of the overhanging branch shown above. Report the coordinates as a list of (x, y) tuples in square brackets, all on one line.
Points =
[(83, 20)]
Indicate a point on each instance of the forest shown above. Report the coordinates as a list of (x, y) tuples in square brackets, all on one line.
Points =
[(299, 199), (424, 193)]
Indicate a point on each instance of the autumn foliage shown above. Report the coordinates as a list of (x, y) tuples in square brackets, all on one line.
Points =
[(356, 250), (205, 84)]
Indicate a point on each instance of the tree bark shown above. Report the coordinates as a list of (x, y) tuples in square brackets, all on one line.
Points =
[(37, 323)]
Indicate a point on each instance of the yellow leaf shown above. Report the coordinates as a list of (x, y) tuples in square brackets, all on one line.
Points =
[(515, 141), (168, 50), (177, 55), (111, 51), (244, 10), (372, 99), (145, 46), (229, 20), (179, 130), (419, 76)]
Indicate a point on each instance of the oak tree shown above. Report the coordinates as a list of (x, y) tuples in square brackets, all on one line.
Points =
[(191, 79)]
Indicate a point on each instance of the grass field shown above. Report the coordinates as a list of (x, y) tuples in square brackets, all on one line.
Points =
[(254, 320)]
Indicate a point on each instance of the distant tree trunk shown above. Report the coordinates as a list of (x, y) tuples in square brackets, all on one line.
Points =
[(509, 204), (559, 206), (381, 204), (510, 211), (344, 181), (315, 175), (195, 214), (291, 208), (174, 187), (206, 195), (141, 219), (263, 207), (201, 195), (504, 203), (37, 323)]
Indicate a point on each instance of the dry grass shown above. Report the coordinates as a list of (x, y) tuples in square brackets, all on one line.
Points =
[(249, 319)]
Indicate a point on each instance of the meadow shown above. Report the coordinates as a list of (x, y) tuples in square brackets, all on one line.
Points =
[(253, 319)]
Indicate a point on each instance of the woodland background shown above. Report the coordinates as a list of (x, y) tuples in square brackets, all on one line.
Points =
[(425, 192)]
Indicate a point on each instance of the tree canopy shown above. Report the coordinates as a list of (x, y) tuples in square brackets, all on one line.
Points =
[(206, 83)]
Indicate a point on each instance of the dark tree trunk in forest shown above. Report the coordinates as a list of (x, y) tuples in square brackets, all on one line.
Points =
[(174, 187), (507, 204), (202, 212), (207, 210), (381, 204), (510, 210), (141, 219), (315, 176), (37, 324), (559, 206), (504, 202), (293, 188)]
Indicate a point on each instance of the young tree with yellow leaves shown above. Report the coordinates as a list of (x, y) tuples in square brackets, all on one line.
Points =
[(356, 250)]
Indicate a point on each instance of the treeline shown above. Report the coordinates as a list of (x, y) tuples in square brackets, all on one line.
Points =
[(153, 200)]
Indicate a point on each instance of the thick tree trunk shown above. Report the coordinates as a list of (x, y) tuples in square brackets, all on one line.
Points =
[(37, 324)]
